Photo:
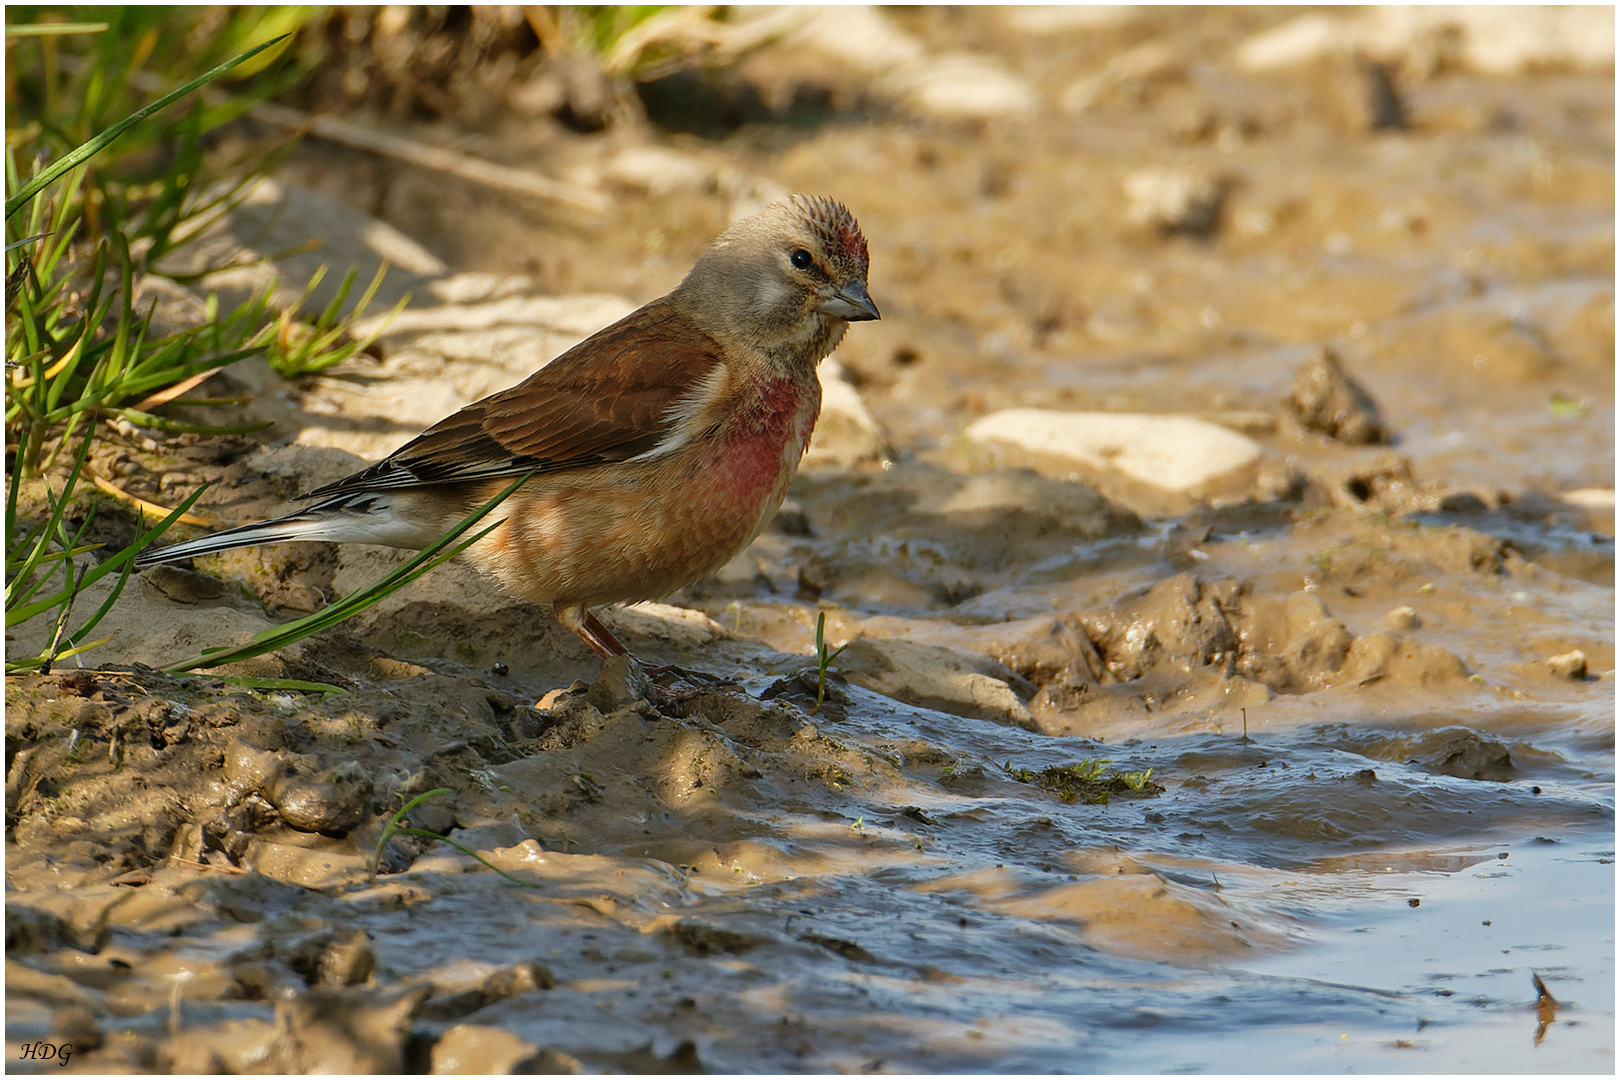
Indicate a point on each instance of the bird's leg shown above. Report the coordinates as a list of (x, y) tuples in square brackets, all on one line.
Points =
[(608, 645), (578, 620)]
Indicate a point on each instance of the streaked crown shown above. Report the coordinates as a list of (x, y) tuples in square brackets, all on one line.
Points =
[(837, 230)]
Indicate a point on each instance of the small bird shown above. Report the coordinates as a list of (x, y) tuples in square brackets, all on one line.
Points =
[(660, 446)]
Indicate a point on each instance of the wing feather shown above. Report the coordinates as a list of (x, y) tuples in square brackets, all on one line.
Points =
[(612, 397)]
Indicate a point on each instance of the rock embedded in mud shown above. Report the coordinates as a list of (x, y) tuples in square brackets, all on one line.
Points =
[(1383, 655), (1470, 756), (932, 678), (967, 87), (1185, 201), (325, 864), (461, 993), (1327, 400), (845, 433), (1038, 649), (327, 801), (1404, 618), (1369, 480), (620, 685), (1492, 40), (1171, 453), (482, 1050), (1178, 618), (1570, 665)]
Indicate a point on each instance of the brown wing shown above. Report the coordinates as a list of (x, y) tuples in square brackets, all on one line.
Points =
[(607, 399)]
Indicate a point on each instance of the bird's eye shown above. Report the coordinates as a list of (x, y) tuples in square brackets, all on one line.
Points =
[(800, 259)]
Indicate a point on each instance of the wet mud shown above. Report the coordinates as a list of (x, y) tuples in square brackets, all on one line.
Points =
[(1301, 763)]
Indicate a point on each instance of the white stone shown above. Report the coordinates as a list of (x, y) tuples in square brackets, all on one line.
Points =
[(1308, 37), (964, 86), (1056, 18), (582, 315), (474, 286), (950, 87), (845, 432), (1174, 453), (1489, 39), (1502, 40), (1591, 498), (861, 36), (1172, 199), (1570, 665), (656, 171)]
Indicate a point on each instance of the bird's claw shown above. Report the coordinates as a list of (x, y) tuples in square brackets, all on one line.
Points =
[(667, 679)]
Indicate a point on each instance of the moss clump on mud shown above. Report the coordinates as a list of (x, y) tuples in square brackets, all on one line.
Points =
[(1088, 780)]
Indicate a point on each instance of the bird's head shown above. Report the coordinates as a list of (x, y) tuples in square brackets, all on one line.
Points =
[(794, 272)]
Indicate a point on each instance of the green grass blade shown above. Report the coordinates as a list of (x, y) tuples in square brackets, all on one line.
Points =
[(34, 663), (252, 683), (58, 506), (396, 825), (89, 149), (52, 29), (106, 606), (117, 562)]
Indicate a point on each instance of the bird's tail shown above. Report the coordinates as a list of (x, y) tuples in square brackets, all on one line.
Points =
[(292, 527), (343, 519)]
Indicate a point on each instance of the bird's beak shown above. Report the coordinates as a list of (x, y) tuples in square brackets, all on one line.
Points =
[(850, 302)]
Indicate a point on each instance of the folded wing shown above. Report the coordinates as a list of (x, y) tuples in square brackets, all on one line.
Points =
[(614, 396)]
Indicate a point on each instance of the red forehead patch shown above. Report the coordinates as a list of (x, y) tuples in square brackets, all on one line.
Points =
[(840, 235), (850, 241)]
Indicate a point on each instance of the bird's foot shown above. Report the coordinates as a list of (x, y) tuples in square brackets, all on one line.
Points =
[(675, 683)]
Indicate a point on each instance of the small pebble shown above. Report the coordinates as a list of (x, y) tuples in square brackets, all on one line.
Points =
[(1570, 665), (1404, 618)]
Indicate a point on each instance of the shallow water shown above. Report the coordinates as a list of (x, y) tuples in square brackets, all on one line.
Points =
[(1333, 868)]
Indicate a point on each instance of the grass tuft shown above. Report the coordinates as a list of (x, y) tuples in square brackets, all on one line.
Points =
[(105, 175)]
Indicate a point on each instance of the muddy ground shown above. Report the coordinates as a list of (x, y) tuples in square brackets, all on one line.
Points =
[(1303, 766)]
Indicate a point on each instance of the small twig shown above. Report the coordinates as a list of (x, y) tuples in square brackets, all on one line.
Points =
[(206, 865), (150, 507), (61, 625), (479, 171)]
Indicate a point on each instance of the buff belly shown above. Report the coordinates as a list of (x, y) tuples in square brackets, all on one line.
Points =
[(628, 533)]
